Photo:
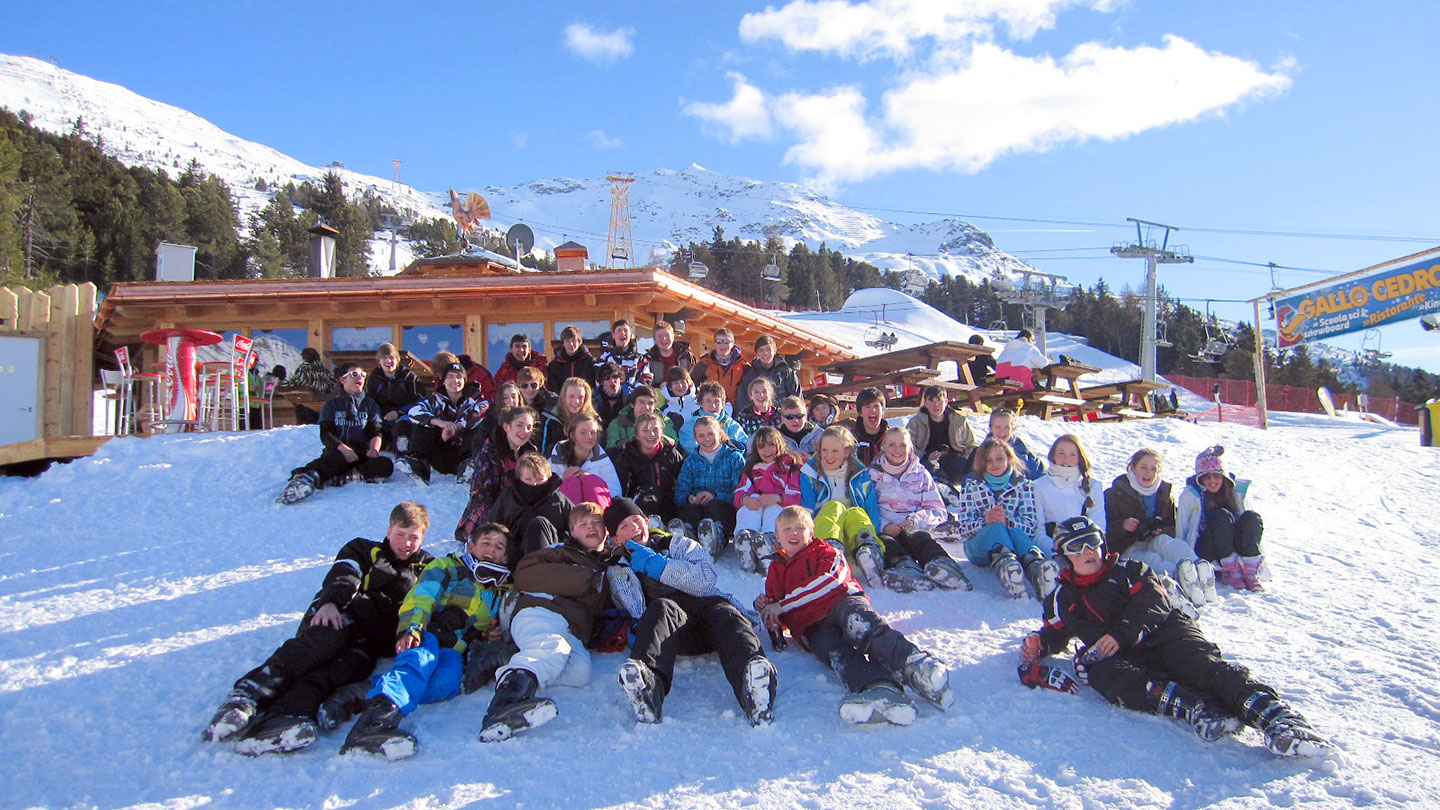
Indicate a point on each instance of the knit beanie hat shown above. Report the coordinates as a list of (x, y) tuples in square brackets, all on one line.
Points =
[(1209, 461), (618, 510)]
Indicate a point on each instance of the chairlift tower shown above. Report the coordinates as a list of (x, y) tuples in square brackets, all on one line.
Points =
[(1154, 255), (620, 252), (1037, 293)]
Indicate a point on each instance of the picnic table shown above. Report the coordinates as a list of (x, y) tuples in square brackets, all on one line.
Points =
[(1122, 400), (915, 366), (1060, 392)]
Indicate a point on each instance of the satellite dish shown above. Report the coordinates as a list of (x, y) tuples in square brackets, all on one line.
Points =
[(521, 238)]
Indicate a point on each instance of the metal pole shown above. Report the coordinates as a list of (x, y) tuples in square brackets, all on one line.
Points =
[(1260, 370), (1147, 336)]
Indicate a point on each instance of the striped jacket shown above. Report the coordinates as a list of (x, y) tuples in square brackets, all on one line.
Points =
[(447, 602), (809, 584), (467, 412)]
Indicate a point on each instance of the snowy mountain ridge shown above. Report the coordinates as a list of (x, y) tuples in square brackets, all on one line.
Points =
[(667, 207)]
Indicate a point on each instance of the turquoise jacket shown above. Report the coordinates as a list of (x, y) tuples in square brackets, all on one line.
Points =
[(815, 488)]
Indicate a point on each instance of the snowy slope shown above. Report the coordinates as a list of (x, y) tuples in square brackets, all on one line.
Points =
[(140, 583), (667, 207)]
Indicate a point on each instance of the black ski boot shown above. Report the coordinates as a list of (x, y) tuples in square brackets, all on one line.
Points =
[(482, 660), (1287, 734), (515, 707), (378, 732), (880, 702), (1206, 718), (347, 702), (241, 708), (277, 734), (642, 691), (234, 716)]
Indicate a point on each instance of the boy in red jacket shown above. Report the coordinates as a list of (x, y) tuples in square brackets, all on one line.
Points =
[(810, 590)]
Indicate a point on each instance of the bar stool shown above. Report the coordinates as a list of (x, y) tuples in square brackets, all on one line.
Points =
[(142, 395)]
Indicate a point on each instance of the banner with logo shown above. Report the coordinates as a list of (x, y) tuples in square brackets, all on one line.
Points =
[(1408, 290)]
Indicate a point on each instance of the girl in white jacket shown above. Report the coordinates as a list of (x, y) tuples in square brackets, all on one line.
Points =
[(1214, 517), (1067, 489)]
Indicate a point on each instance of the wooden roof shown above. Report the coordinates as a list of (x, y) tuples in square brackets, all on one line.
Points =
[(648, 293)]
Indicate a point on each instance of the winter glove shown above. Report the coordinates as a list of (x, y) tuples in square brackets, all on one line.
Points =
[(644, 560), (1084, 657)]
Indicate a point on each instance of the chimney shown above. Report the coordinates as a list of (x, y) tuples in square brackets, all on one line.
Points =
[(322, 251), (174, 262)]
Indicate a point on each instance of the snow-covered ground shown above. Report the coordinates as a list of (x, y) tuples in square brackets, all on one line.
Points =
[(138, 584)]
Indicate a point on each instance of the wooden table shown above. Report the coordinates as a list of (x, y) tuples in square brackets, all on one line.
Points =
[(1129, 399), (1060, 393), (915, 366)]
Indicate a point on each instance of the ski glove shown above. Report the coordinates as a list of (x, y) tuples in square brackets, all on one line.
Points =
[(644, 560)]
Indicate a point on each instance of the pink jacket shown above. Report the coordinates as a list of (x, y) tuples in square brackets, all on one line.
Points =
[(587, 488), (779, 477)]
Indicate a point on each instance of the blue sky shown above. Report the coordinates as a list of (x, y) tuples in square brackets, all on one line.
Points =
[(1313, 117)]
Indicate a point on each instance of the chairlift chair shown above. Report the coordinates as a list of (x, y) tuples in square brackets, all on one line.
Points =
[(1162, 335), (771, 272), (698, 270)]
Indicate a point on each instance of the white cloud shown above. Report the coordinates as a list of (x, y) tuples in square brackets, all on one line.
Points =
[(598, 46), (743, 116), (969, 100), (600, 140), (894, 27)]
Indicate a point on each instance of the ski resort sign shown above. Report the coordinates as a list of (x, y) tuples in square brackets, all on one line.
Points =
[(1406, 288)]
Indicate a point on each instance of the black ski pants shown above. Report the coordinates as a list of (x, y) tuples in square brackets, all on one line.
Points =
[(308, 668), (704, 624), (722, 512), (539, 533), (919, 546), (858, 644), (331, 466), (1178, 652), (1225, 533), (441, 456), (653, 502)]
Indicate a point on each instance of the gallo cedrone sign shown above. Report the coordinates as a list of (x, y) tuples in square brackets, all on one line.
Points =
[(1409, 289)]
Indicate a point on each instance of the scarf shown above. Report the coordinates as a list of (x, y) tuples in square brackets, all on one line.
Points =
[(997, 482), (1070, 475), (1143, 491), (892, 469)]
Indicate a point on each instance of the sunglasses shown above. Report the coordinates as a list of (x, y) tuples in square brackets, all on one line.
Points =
[(790, 416), (359, 375), (724, 343), (530, 385)]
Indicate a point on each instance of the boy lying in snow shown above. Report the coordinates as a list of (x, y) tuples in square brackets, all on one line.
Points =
[(1142, 653)]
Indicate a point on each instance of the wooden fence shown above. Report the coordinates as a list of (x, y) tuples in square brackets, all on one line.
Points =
[(1292, 398), (64, 318)]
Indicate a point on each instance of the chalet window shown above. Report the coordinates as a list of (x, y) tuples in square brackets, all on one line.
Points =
[(426, 340)]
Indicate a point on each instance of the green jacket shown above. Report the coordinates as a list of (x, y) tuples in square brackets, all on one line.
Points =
[(447, 602)]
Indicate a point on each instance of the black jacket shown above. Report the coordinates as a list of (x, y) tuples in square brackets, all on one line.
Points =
[(564, 366), (368, 583), (641, 474), (396, 393), (350, 421), (1124, 599), (519, 503), (782, 378)]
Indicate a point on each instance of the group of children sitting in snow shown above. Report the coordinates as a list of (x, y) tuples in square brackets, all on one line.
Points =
[(615, 550)]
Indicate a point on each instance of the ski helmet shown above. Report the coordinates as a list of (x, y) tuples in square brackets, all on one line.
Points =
[(1072, 535)]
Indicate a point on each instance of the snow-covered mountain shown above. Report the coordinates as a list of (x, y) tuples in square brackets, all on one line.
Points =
[(667, 207)]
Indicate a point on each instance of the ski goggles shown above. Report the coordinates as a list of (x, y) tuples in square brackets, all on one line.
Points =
[(1077, 543)]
